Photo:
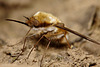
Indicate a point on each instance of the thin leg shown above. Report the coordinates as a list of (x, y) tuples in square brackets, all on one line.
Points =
[(34, 46), (22, 38), (23, 46), (45, 52), (25, 37), (67, 42)]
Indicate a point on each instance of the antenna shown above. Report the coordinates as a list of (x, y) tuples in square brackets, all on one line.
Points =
[(26, 17)]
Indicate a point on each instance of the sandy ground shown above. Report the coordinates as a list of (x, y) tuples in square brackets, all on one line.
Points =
[(80, 15)]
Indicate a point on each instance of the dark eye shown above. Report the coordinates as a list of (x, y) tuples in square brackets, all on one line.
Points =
[(35, 22)]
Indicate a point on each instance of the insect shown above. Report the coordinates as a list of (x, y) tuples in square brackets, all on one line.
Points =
[(48, 26)]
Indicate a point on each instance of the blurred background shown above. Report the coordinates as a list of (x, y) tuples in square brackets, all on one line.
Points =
[(80, 15)]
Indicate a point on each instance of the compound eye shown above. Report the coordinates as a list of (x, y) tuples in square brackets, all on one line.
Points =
[(35, 23)]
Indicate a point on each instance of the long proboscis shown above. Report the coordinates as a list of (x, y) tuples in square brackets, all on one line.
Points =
[(78, 34), (17, 21)]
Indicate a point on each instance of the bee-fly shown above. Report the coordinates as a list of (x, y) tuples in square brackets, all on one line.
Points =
[(48, 26)]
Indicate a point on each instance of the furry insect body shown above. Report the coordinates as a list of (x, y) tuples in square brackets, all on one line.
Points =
[(42, 19), (43, 23), (47, 23)]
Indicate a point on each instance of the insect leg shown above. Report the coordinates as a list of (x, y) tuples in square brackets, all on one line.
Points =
[(67, 41), (23, 49), (21, 39), (34, 46), (45, 52), (25, 37)]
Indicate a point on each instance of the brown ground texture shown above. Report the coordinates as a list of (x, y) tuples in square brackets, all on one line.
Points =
[(82, 16)]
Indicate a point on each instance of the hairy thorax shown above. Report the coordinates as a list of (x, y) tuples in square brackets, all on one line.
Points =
[(45, 27)]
